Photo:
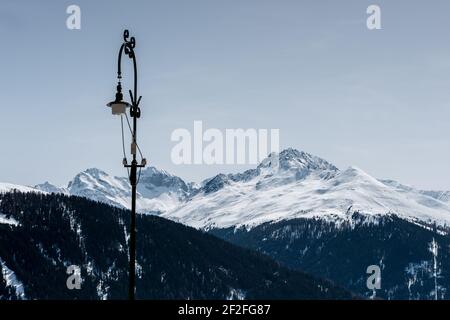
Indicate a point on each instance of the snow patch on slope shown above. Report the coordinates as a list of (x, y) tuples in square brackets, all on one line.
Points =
[(11, 221), (12, 280)]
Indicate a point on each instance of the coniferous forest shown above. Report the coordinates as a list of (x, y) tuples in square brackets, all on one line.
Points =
[(52, 232), (343, 253)]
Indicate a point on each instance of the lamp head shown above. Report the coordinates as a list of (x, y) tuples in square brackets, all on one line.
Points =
[(118, 106)]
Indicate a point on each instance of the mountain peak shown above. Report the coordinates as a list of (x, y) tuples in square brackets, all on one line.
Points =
[(50, 188), (293, 158), (155, 181), (301, 162), (216, 183), (94, 172), (46, 184), (291, 163), (151, 170)]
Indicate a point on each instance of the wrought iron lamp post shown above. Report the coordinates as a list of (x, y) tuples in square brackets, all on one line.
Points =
[(119, 107)]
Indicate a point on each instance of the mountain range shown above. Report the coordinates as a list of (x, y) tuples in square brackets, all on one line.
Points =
[(301, 185), (306, 214), (157, 191)]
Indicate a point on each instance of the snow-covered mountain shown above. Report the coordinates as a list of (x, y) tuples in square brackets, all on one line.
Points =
[(157, 191), (97, 185), (283, 186), (50, 188), (302, 186)]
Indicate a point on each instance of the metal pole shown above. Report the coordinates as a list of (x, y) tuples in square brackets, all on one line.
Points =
[(135, 112), (132, 272), (133, 182)]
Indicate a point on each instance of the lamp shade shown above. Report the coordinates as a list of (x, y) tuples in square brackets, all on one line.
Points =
[(118, 107)]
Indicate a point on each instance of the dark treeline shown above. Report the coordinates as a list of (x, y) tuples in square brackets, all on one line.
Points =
[(173, 261), (343, 251)]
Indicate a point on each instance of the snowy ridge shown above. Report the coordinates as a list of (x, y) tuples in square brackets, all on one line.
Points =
[(157, 191), (50, 188), (8, 187), (309, 190), (443, 196), (99, 186)]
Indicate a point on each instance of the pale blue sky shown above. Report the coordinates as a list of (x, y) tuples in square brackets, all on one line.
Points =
[(379, 100)]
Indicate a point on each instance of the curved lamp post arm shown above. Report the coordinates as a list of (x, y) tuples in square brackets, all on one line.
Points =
[(128, 48)]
